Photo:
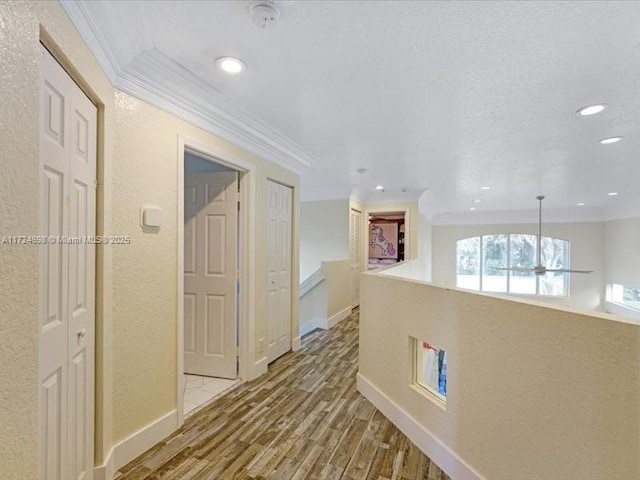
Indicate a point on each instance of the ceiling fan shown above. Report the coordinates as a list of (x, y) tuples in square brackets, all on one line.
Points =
[(540, 269)]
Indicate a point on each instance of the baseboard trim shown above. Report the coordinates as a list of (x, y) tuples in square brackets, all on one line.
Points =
[(426, 441), (338, 317), (312, 325), (296, 344), (136, 444)]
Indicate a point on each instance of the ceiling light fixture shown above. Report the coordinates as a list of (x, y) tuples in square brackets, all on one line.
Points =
[(591, 110), (477, 200), (607, 141), (485, 187), (472, 208), (613, 194), (231, 65), (580, 204), (380, 188)]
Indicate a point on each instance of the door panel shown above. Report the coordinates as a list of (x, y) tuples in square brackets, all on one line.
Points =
[(278, 270), (68, 136), (211, 236)]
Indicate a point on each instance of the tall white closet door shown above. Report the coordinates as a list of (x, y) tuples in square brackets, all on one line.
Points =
[(68, 123), (355, 254), (279, 225)]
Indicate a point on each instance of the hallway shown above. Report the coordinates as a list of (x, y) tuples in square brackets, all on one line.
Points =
[(304, 419)]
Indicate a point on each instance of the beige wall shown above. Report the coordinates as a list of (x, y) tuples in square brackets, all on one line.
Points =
[(534, 392), (337, 275), (136, 284), (324, 234), (622, 257), (331, 296), (586, 247), (145, 169)]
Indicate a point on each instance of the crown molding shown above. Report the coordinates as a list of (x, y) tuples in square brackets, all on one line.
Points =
[(148, 74)]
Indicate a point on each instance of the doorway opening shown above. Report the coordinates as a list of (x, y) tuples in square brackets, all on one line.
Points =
[(386, 239), (211, 280)]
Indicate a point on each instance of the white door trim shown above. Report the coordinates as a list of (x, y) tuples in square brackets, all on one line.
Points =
[(246, 327)]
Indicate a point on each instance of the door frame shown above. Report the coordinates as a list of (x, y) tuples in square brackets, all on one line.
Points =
[(368, 212), (246, 238)]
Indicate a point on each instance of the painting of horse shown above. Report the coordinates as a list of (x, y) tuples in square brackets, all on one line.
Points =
[(383, 240)]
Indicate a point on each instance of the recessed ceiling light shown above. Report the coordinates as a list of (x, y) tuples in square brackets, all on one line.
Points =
[(472, 208), (580, 204), (231, 65), (613, 194), (485, 187), (380, 188), (477, 200), (591, 109), (606, 141)]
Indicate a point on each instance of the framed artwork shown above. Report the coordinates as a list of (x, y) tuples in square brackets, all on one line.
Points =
[(383, 240)]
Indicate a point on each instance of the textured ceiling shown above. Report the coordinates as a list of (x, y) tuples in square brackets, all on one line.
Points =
[(444, 96)]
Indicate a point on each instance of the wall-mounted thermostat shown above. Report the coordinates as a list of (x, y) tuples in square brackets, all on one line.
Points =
[(151, 217)]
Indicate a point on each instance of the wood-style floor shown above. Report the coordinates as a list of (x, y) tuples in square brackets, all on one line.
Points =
[(304, 419)]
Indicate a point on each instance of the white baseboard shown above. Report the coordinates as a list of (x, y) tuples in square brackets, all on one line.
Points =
[(136, 444), (338, 317), (324, 323), (426, 441), (309, 327), (296, 344)]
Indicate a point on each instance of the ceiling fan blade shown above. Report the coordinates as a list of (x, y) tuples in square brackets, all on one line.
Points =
[(516, 269), (565, 270)]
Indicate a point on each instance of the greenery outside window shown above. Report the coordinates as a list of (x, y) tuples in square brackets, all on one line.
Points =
[(481, 262)]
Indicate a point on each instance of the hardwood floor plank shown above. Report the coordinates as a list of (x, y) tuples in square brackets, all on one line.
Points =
[(304, 419)]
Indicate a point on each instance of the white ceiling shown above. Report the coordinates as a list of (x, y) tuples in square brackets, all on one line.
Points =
[(444, 96)]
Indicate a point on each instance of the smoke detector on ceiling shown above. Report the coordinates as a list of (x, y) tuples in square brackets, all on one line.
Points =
[(265, 15)]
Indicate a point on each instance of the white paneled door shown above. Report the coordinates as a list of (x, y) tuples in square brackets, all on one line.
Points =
[(279, 218), (68, 122), (355, 254), (210, 273)]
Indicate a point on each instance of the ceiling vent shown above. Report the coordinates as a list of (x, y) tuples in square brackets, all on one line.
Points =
[(265, 15)]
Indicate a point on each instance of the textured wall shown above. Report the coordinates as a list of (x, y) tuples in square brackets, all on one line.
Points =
[(622, 238), (586, 250), (324, 234), (144, 289), (20, 24), (18, 216), (337, 276), (534, 392)]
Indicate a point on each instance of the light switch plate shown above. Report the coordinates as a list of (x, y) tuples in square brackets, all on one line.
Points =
[(151, 217)]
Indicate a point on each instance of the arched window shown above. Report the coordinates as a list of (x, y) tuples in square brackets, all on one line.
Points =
[(480, 261)]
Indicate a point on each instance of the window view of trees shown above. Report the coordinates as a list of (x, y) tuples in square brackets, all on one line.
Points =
[(628, 296), (481, 260), (469, 263)]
